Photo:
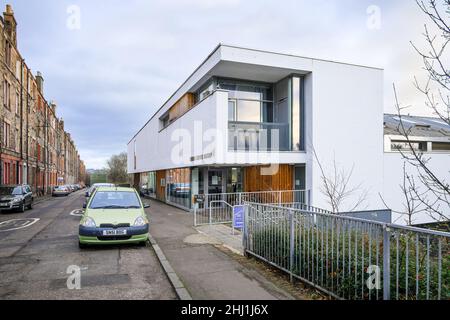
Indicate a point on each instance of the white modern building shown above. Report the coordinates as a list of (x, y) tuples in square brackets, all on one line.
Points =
[(430, 137), (252, 120)]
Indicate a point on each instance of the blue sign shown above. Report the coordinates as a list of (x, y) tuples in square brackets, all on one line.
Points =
[(238, 217)]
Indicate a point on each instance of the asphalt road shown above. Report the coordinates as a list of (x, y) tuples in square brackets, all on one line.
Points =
[(36, 260)]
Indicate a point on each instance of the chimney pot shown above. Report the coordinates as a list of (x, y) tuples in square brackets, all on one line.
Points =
[(40, 82)]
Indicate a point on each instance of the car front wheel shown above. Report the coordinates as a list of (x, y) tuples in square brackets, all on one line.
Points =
[(81, 245), (22, 207)]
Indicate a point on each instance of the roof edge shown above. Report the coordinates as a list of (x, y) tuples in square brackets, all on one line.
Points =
[(221, 44)]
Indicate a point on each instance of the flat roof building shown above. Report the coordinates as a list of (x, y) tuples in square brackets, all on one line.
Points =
[(252, 120)]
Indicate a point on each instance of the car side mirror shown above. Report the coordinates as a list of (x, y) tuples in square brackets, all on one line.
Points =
[(146, 205), (84, 205)]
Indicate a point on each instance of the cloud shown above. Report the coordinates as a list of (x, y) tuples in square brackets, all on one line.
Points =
[(110, 76)]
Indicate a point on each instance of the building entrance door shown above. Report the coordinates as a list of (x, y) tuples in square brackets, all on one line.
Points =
[(234, 180), (216, 181), (299, 182)]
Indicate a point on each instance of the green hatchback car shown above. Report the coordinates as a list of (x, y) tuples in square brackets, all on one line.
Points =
[(113, 215)]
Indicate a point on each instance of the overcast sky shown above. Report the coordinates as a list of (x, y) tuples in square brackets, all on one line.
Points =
[(111, 74)]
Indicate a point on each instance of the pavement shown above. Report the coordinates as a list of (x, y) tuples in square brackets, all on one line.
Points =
[(224, 235), (36, 256), (206, 271)]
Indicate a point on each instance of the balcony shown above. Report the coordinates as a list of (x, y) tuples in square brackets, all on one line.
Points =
[(258, 136)]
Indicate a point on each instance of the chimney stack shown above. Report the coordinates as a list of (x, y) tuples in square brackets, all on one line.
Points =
[(10, 24), (53, 106), (40, 82)]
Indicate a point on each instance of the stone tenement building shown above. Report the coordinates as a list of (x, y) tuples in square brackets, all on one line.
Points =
[(35, 149)]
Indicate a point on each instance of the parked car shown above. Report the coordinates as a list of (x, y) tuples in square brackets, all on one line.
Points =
[(60, 191), (91, 190), (113, 215), (16, 197)]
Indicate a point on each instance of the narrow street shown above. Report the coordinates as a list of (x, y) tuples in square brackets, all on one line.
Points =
[(34, 260)]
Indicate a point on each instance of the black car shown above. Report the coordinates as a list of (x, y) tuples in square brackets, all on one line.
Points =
[(16, 197)]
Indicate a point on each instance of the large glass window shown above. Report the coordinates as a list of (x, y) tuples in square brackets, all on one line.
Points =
[(249, 111), (249, 102), (256, 120), (234, 180), (151, 185), (246, 90), (296, 114), (232, 110), (179, 187)]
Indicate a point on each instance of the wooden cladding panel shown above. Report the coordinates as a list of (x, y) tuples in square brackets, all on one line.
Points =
[(160, 190), (282, 179), (183, 105)]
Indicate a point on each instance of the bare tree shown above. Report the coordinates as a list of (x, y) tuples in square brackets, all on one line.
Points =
[(434, 59), (411, 205), (427, 188), (338, 190), (117, 168)]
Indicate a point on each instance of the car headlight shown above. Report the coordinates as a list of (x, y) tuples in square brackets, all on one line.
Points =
[(89, 222), (15, 200), (140, 221)]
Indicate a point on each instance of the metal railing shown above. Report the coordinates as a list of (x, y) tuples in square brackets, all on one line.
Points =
[(217, 208), (350, 258)]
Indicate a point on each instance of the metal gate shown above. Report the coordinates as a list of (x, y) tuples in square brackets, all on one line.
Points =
[(218, 208)]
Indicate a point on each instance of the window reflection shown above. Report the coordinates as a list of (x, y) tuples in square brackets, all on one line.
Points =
[(232, 110), (249, 111), (179, 187), (147, 185), (296, 143)]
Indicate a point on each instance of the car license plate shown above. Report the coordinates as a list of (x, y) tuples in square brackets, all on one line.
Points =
[(4, 204), (118, 232)]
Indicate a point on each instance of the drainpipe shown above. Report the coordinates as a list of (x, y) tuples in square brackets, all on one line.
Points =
[(21, 117), (27, 129)]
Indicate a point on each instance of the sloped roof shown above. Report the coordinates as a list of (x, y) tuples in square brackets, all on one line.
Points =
[(416, 126)]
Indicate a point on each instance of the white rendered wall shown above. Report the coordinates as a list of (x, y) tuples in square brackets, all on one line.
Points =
[(393, 178), (347, 126), (156, 149)]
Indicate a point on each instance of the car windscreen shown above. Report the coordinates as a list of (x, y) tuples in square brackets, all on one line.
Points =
[(115, 200), (7, 191)]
